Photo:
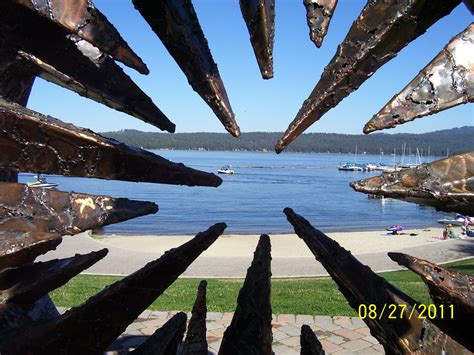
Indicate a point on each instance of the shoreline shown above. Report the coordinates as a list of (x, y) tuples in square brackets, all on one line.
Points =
[(287, 245)]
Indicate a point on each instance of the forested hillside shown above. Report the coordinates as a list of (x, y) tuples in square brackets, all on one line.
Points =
[(455, 140)]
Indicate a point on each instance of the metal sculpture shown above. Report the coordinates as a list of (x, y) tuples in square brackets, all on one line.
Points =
[(28, 283), (408, 333), (250, 331), (259, 15), (446, 184), (446, 82), (39, 210), (166, 340), (41, 144), (381, 31), (318, 16), (84, 19), (447, 289), (105, 321), (196, 342), (69, 61), (177, 25), (72, 44), (310, 344)]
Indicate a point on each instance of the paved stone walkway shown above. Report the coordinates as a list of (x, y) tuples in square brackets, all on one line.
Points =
[(338, 335)]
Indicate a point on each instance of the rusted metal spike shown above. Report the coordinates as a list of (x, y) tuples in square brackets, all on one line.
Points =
[(32, 142), (250, 331), (383, 28), (16, 81), (176, 24), (28, 209), (446, 184), (105, 321), (361, 286), (447, 81), (453, 290), (166, 340), (195, 342), (318, 16), (259, 15), (26, 284), (28, 253), (12, 242), (84, 19), (60, 56), (310, 344)]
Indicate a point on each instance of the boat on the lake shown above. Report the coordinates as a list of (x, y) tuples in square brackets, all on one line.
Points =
[(226, 169), (41, 182), (350, 167)]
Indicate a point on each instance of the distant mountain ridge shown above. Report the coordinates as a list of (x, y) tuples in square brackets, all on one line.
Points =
[(439, 143)]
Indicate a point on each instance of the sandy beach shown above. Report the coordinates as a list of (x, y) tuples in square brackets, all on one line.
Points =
[(231, 255), (283, 245)]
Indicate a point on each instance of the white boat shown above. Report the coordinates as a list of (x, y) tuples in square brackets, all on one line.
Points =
[(226, 169), (350, 167), (41, 182)]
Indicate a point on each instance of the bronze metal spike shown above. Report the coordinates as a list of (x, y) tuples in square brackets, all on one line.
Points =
[(84, 19), (32, 142), (166, 340), (26, 254), (446, 184), (196, 342), (361, 286), (14, 243), (176, 24), (27, 283), (259, 15), (105, 320), (447, 81), (310, 344), (28, 209), (383, 28), (250, 331), (58, 56), (318, 16), (454, 291)]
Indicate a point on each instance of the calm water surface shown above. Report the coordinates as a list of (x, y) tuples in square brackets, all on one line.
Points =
[(252, 200)]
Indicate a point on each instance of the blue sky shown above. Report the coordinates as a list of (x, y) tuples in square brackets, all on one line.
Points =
[(259, 105)]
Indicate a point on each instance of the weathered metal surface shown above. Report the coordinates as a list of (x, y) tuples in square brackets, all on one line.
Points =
[(166, 340), (318, 16), (407, 333), (383, 28), (15, 80), (12, 243), (447, 81), (250, 331), (59, 56), (446, 184), (108, 313), (446, 288), (196, 342), (27, 209), (259, 15), (84, 19), (310, 344), (26, 253), (32, 142), (27, 283), (176, 24)]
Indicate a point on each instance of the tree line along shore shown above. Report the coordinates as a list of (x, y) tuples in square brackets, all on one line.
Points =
[(438, 143)]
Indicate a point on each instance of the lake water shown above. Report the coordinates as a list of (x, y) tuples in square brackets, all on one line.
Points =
[(252, 200)]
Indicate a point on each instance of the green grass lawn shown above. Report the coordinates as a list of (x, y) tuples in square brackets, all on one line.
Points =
[(297, 296)]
